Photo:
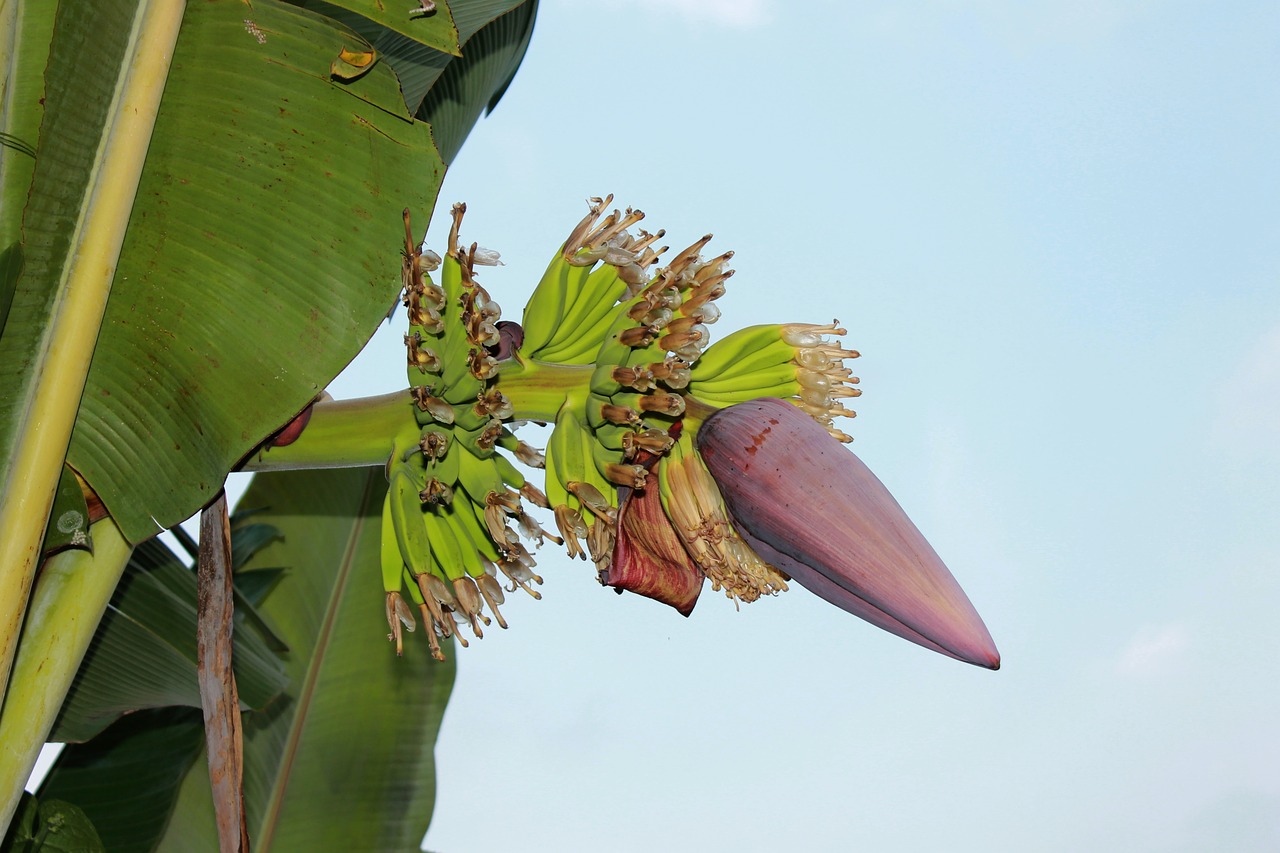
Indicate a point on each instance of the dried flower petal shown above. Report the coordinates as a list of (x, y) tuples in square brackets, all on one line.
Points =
[(398, 614)]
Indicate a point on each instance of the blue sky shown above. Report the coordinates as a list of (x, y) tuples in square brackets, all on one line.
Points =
[(1052, 230)]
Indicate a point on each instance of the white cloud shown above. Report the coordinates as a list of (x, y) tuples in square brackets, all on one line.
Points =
[(1022, 28), (1152, 650), (739, 14), (1058, 21)]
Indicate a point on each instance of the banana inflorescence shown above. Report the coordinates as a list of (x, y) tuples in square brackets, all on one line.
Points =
[(615, 350), (447, 536), (653, 379)]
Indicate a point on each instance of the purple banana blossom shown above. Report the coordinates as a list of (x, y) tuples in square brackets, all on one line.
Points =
[(811, 508)]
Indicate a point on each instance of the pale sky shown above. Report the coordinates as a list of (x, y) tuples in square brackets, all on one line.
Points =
[(1053, 231)]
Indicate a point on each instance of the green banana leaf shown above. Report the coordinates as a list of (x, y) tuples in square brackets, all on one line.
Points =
[(260, 263), (435, 30), (345, 760), (11, 263), (69, 519), (490, 38), (416, 61), (264, 242), (268, 211), (56, 100), (126, 779), (47, 825), (475, 83), (30, 32), (144, 651), (261, 252), (22, 80)]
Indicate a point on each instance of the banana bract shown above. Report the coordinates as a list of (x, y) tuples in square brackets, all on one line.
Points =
[(665, 465), (812, 508)]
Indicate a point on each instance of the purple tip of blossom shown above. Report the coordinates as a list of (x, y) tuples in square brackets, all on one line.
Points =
[(807, 505)]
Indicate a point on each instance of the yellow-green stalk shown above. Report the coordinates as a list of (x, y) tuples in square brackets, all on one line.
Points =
[(66, 606), (46, 417)]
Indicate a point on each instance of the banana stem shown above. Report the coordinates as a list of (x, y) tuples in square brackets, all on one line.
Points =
[(66, 606), (361, 433), (357, 433), (537, 389), (46, 410)]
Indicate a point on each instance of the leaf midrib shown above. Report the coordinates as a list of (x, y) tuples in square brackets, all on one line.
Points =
[(271, 815)]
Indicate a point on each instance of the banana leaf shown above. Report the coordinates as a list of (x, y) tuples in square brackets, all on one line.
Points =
[(285, 232), (345, 759), (261, 251), (492, 34), (268, 211), (144, 651), (22, 89), (370, 18), (50, 826), (475, 83), (125, 780)]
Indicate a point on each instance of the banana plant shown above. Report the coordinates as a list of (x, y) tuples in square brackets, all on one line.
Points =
[(191, 198), (224, 283)]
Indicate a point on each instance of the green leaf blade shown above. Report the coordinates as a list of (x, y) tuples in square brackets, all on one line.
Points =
[(473, 84), (346, 759), (72, 121), (125, 780), (281, 226), (434, 30), (27, 37), (144, 653)]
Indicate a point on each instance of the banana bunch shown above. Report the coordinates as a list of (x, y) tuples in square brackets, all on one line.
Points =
[(675, 462), (639, 334), (446, 534), (615, 350), (575, 303), (790, 361), (793, 362)]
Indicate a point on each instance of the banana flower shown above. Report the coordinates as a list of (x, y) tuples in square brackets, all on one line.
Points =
[(812, 509)]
